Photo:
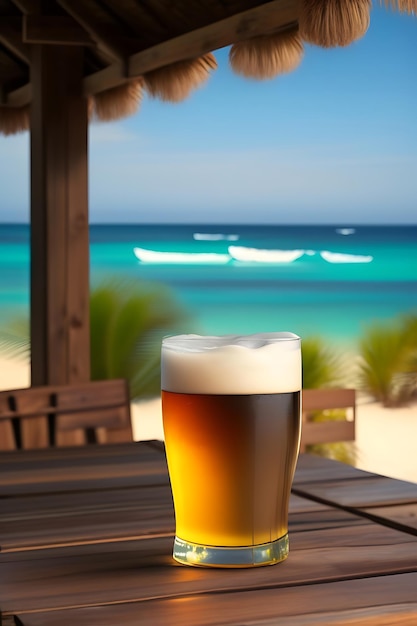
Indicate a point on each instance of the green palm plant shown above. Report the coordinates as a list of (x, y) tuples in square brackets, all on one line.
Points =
[(322, 366), (388, 365), (410, 374), (14, 341), (128, 322)]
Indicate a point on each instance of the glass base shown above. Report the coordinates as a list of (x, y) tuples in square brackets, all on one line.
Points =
[(197, 555)]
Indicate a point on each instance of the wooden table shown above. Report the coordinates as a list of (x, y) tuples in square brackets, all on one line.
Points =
[(86, 538)]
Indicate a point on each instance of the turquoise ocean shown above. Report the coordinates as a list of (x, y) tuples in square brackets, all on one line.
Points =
[(327, 281)]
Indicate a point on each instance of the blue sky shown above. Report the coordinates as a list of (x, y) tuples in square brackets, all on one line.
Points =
[(333, 142)]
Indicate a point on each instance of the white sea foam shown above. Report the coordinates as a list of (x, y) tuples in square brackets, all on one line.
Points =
[(214, 237), (338, 257), (259, 255), (345, 231), (232, 364), (192, 258)]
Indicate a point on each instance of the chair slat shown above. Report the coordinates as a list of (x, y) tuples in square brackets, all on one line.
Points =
[(100, 394), (327, 431), (321, 399), (34, 432), (7, 441), (112, 417)]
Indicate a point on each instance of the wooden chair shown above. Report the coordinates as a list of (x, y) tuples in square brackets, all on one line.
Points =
[(39, 417), (331, 430)]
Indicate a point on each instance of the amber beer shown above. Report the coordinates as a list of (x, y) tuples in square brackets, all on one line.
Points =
[(231, 411)]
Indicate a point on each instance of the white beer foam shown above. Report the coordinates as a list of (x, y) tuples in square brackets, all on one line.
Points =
[(232, 364)]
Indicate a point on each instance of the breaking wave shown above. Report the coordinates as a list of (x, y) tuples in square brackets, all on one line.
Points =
[(214, 237), (154, 256), (346, 231), (257, 255), (338, 257)]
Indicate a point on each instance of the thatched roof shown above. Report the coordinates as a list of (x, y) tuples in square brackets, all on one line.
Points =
[(164, 46)]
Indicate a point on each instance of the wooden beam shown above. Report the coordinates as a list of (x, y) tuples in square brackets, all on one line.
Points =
[(19, 97), (11, 38), (269, 17), (112, 76), (59, 218), (55, 30), (107, 42)]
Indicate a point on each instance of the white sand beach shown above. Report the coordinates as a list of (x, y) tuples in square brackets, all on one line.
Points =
[(385, 438)]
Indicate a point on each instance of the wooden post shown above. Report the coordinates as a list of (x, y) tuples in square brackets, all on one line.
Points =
[(59, 218)]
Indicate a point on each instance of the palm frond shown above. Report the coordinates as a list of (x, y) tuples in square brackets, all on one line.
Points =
[(128, 321), (103, 309), (14, 346), (15, 340), (387, 354), (322, 365)]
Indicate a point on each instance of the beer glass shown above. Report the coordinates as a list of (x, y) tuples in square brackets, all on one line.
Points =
[(232, 426)]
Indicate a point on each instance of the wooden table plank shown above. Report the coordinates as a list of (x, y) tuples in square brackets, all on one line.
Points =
[(87, 517), (403, 517), (138, 570), (367, 492), (329, 518), (74, 454), (381, 601), (312, 468), (305, 515), (120, 466)]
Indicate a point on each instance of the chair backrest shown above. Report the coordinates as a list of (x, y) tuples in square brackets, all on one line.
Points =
[(332, 430), (39, 417)]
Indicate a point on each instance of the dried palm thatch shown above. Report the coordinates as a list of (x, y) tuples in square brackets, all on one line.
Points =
[(117, 102), (14, 120), (331, 23), (176, 81), (267, 56), (404, 6)]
